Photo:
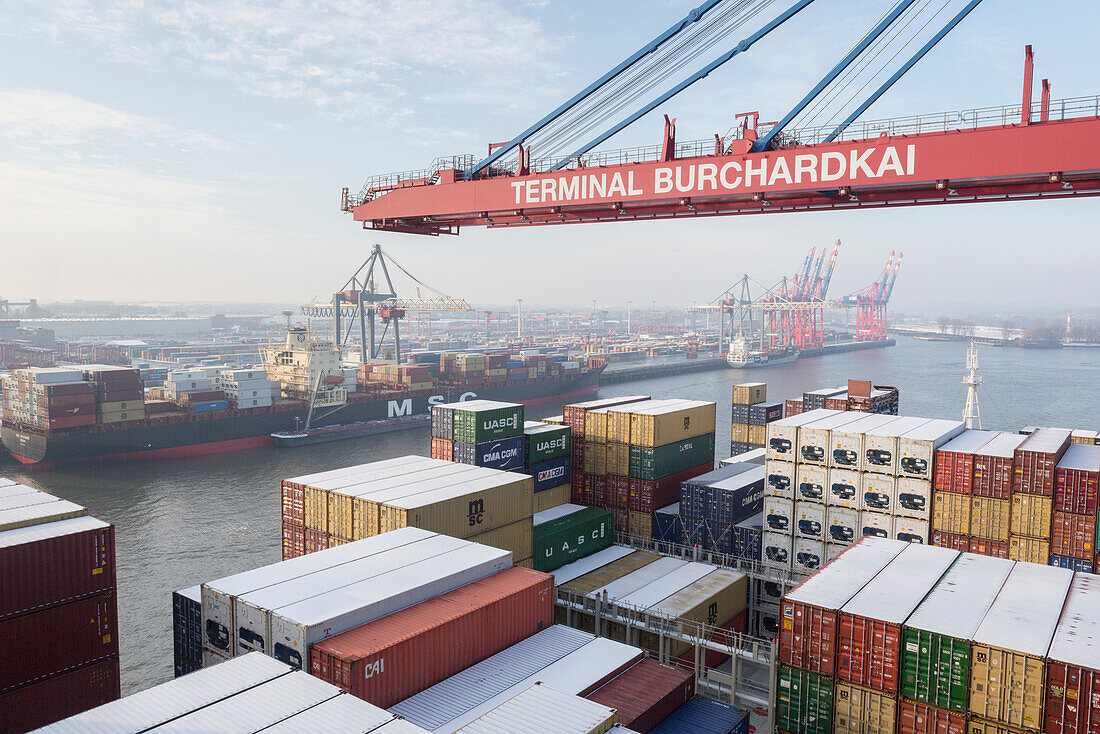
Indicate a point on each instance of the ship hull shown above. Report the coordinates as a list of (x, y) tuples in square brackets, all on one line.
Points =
[(200, 435)]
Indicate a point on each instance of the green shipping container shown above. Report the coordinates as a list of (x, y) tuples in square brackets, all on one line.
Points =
[(804, 702), (487, 420), (545, 442), (935, 669), (661, 461), (567, 538)]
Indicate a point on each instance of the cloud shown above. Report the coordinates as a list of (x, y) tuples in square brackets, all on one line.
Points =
[(347, 58)]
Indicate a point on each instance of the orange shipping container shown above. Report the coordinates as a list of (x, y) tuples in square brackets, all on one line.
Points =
[(1073, 535), (917, 718)]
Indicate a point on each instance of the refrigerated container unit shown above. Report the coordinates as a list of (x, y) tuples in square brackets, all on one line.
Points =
[(776, 550), (914, 498), (917, 448), (540, 708), (780, 479), (954, 464), (1015, 636), (815, 439), (844, 489), (846, 442), (781, 437), (809, 520), (187, 629), (876, 525), (880, 445), (841, 525), (1035, 461), (811, 482), (993, 473), (808, 555), (880, 493), (779, 515)]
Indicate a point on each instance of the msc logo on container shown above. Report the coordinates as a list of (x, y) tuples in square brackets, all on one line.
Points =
[(687, 423), (476, 513)]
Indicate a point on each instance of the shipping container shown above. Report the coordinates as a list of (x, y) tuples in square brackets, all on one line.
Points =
[(809, 520), (715, 599), (943, 539), (39, 514), (1074, 536), (1076, 477), (646, 694), (667, 459), (917, 448), (919, 718), (841, 525), (518, 538), (187, 625), (57, 639), (539, 709), (1072, 694), (1032, 550), (935, 658), (779, 515), (705, 716), (1032, 515), (342, 714), (1007, 656), (569, 532), (876, 525), (1073, 564), (777, 550), (808, 556), (462, 509), (782, 435), (814, 439), (297, 626), (803, 701), (59, 697), (647, 495), (880, 493), (859, 710), (810, 482), (478, 421), (990, 518), (554, 497), (574, 414), (662, 425), (869, 638), (545, 442), (880, 445), (390, 659), (745, 538), (810, 611), (993, 473), (994, 548), (1035, 460), (598, 570), (910, 530), (780, 479), (951, 512), (761, 414), (667, 526), (55, 563), (750, 393), (619, 418), (914, 498), (954, 466), (845, 489), (846, 442)]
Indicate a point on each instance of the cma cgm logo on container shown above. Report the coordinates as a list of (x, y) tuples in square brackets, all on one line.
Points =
[(498, 454), (554, 473), (686, 447), (749, 174)]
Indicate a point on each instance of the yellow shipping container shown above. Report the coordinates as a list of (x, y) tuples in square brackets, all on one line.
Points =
[(981, 726), (556, 420), (1032, 515), (1032, 550), (122, 406), (595, 457), (316, 507), (668, 424), (640, 524), (604, 575), (714, 600), (951, 512), (525, 563), (552, 498), (462, 510), (335, 540), (859, 710), (595, 425), (618, 459), (517, 537), (136, 415), (340, 515), (1007, 687), (990, 518), (749, 393), (757, 434), (739, 432), (364, 516)]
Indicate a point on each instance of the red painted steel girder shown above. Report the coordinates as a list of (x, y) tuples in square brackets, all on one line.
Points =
[(1046, 160)]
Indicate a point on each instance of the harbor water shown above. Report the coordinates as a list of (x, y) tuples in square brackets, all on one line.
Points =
[(184, 521)]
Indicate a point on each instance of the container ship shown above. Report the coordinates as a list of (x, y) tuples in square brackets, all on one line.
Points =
[(93, 412)]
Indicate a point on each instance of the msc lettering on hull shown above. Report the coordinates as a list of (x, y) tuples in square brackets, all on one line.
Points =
[(859, 165)]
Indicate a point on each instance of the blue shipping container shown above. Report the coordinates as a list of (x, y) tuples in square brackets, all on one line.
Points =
[(747, 536), (694, 531), (704, 716), (1074, 564), (729, 495), (550, 474), (505, 454), (211, 405), (717, 537), (667, 527)]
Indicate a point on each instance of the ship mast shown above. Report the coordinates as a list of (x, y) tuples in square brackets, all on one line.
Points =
[(972, 415)]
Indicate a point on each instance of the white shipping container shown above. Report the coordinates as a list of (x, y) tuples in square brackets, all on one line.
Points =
[(845, 489), (211, 658), (542, 710), (910, 530), (838, 582), (876, 525), (599, 559), (880, 445), (811, 482), (846, 442), (917, 448), (880, 493), (11, 489), (218, 597), (782, 435), (313, 479), (154, 706), (809, 520), (779, 515), (252, 611), (842, 525), (1077, 638), (657, 591), (631, 582), (959, 602), (814, 442), (1025, 613), (344, 714), (775, 550), (406, 466), (294, 628), (779, 481), (21, 517), (809, 555), (914, 498), (893, 594), (832, 550)]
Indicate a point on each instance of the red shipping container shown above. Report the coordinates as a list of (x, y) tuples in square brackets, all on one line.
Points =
[(993, 467), (1073, 535), (76, 421), (954, 472), (648, 495), (868, 652), (443, 449), (314, 540), (576, 488), (995, 548), (294, 504), (595, 490), (70, 388), (646, 694), (60, 697), (917, 718), (951, 540), (1072, 700), (792, 407), (1036, 458), (1076, 479), (622, 518), (57, 563), (395, 657), (56, 640), (618, 491), (294, 540)]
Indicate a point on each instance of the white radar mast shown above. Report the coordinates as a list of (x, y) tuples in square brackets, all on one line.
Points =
[(972, 414)]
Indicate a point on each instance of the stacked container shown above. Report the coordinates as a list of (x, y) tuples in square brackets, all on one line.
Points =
[(1034, 466), (120, 394), (573, 416), (547, 459), (712, 505), (750, 414), (58, 609), (1073, 537), (952, 489), (187, 630), (480, 433), (646, 694), (245, 388), (1072, 695), (48, 398), (568, 532), (541, 708), (991, 505)]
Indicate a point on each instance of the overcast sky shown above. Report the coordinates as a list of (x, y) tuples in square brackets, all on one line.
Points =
[(196, 150)]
